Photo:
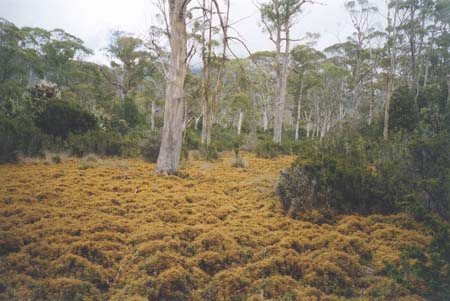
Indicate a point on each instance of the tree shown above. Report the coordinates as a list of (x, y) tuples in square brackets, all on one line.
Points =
[(392, 47), (130, 63), (278, 17), (172, 133), (306, 62)]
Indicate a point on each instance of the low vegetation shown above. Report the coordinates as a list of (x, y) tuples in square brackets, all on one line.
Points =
[(214, 232)]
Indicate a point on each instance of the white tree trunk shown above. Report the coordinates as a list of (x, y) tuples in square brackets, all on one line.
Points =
[(152, 116), (239, 123), (299, 112), (172, 133), (265, 120), (281, 88)]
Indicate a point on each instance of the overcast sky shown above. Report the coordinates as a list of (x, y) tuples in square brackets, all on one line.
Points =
[(94, 20)]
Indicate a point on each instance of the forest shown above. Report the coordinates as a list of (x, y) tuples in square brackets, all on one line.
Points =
[(290, 173)]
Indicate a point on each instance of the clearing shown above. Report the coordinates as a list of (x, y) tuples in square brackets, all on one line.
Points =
[(113, 230)]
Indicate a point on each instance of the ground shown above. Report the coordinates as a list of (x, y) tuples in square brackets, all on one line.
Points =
[(112, 230)]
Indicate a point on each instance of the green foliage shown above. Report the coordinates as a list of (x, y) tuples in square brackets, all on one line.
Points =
[(150, 147), (266, 148), (60, 118), (349, 174), (225, 139), (404, 113), (431, 159), (210, 153), (19, 136), (426, 270), (129, 112), (191, 140), (97, 142), (56, 159)]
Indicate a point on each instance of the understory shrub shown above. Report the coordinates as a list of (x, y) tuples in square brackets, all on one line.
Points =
[(60, 118), (19, 136), (267, 149), (150, 147), (426, 270), (102, 143), (348, 174)]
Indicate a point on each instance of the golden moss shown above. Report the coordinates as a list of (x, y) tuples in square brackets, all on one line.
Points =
[(118, 232)]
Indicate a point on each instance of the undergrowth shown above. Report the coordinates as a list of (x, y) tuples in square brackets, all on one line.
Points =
[(118, 232)]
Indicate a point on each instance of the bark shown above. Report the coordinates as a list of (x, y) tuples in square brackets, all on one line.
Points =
[(172, 133), (448, 92), (282, 77), (299, 111), (239, 123), (387, 107), (152, 116), (206, 76), (265, 120), (391, 75)]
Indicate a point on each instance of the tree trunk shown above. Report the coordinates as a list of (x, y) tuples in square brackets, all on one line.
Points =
[(448, 93), (387, 107), (299, 111), (281, 89), (152, 116), (172, 133), (239, 123), (391, 75), (206, 75), (265, 120)]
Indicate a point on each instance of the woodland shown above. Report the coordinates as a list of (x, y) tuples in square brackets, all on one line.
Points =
[(291, 173)]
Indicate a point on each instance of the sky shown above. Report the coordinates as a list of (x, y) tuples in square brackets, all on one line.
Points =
[(94, 20)]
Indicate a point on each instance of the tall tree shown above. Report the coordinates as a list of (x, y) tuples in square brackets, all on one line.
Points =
[(172, 133), (278, 17)]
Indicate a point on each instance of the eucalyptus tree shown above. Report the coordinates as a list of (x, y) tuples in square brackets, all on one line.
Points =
[(361, 13), (130, 63), (278, 17), (172, 132), (306, 62), (262, 81)]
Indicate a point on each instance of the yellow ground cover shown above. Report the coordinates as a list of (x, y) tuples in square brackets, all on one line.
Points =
[(114, 231)]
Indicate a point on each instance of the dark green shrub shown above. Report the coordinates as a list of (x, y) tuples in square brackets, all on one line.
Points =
[(210, 153), (290, 147), (129, 112), (404, 112), (191, 140), (431, 160), (97, 142), (150, 147), (19, 137), (224, 139), (56, 159), (425, 271), (347, 174), (60, 118), (266, 148)]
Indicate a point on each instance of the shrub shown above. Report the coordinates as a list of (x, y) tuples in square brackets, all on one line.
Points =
[(348, 174), (91, 158), (129, 112), (239, 163), (56, 159), (96, 142), (150, 147), (225, 139), (19, 137), (60, 118), (191, 140), (426, 270), (267, 149), (210, 152)]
